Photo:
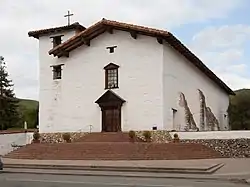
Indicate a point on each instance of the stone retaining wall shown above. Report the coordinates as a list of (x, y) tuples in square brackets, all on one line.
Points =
[(157, 136), (232, 148), (58, 137)]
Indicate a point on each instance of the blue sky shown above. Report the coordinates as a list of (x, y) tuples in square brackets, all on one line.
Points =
[(217, 31), (236, 34)]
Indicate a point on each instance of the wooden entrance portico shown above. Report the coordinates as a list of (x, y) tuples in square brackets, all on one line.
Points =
[(110, 104)]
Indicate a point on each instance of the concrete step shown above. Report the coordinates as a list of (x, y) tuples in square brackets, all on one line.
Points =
[(187, 170), (114, 151)]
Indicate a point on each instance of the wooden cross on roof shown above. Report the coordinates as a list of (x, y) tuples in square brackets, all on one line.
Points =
[(68, 15)]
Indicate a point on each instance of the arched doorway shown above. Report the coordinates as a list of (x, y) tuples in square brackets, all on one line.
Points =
[(110, 104)]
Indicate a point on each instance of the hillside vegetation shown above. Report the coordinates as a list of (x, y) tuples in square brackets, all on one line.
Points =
[(239, 110), (28, 110), (28, 104)]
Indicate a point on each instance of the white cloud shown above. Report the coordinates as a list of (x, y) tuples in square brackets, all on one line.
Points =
[(18, 17), (222, 49), (224, 36), (235, 80)]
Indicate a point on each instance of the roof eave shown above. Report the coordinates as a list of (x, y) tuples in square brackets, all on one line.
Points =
[(179, 47), (232, 92), (37, 33)]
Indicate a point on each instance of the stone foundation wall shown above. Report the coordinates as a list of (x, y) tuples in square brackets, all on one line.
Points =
[(157, 136), (58, 137), (232, 148)]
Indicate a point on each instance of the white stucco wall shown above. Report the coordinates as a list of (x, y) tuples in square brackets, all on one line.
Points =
[(182, 76), (212, 135), (49, 106), (69, 104), (7, 140)]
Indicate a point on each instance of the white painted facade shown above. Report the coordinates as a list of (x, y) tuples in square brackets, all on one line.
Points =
[(150, 77), (180, 75)]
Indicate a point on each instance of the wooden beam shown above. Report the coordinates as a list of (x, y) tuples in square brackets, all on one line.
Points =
[(133, 34), (87, 42), (110, 30), (56, 65), (66, 54), (96, 33), (63, 53), (159, 40), (74, 46)]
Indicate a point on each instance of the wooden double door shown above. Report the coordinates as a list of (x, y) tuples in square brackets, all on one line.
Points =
[(111, 119)]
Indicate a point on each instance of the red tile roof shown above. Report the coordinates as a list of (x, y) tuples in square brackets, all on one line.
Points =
[(106, 25), (38, 33)]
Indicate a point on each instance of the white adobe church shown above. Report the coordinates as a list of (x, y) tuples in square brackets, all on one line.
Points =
[(115, 76)]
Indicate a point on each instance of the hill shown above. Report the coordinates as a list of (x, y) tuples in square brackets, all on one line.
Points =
[(28, 110), (28, 104), (239, 110)]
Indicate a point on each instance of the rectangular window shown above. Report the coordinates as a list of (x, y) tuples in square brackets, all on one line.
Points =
[(57, 72), (112, 78)]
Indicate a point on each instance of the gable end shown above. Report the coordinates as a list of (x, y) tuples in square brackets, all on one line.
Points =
[(160, 35)]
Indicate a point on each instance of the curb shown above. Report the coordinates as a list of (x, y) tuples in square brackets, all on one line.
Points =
[(234, 180), (209, 170)]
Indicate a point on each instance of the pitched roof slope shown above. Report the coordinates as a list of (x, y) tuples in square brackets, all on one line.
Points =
[(107, 25), (38, 33)]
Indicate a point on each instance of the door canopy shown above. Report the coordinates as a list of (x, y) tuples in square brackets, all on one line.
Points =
[(109, 98)]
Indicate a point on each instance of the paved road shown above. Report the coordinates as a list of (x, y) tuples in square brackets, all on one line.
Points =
[(27, 180)]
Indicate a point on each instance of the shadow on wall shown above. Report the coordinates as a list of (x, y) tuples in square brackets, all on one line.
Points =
[(8, 142)]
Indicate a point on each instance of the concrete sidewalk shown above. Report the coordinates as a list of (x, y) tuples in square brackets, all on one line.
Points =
[(231, 165), (182, 164), (238, 169)]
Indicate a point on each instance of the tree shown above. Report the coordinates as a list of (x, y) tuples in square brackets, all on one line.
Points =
[(239, 110), (9, 116)]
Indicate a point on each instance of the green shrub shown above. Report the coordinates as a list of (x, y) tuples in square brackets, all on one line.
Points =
[(147, 135), (66, 137), (176, 135), (176, 138), (132, 135), (36, 136)]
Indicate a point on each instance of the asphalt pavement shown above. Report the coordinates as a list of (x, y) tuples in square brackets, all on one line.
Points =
[(27, 180)]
